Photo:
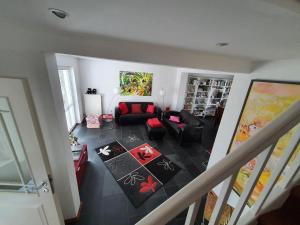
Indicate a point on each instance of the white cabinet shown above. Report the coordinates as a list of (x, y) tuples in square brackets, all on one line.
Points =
[(92, 104)]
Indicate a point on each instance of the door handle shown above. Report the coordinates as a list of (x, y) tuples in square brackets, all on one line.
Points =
[(42, 187)]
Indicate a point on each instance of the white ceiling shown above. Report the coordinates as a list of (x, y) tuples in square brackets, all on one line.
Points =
[(257, 29)]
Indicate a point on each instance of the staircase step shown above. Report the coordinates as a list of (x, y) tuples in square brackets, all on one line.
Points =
[(288, 214), (291, 207), (295, 193), (276, 217)]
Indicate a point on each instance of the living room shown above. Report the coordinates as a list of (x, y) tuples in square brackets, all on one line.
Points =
[(102, 179), (250, 41), (187, 150)]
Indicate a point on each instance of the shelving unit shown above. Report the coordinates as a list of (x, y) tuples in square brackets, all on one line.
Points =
[(203, 94)]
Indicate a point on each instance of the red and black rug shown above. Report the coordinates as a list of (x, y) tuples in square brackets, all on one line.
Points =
[(140, 171)]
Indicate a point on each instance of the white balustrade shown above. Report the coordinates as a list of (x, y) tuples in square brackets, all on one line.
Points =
[(260, 146)]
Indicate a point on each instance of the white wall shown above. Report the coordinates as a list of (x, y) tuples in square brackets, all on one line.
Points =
[(65, 184), (103, 75), (283, 70)]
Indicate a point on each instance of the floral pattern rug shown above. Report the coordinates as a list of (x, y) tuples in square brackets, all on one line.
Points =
[(140, 171)]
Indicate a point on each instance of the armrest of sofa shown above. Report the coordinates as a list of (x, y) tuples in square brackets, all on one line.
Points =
[(158, 111), (191, 133), (117, 115), (171, 113)]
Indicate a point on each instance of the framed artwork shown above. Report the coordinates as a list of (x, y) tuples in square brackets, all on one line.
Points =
[(136, 83), (265, 101)]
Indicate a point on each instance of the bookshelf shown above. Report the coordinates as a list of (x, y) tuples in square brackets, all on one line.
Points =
[(204, 94)]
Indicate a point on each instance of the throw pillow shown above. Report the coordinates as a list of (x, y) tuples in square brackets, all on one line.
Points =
[(136, 108), (175, 119), (123, 108), (150, 109), (154, 123)]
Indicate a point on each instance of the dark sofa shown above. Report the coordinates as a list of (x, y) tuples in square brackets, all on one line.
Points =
[(190, 131), (134, 118)]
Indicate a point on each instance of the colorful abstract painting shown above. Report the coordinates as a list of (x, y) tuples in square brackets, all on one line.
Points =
[(136, 83), (266, 100)]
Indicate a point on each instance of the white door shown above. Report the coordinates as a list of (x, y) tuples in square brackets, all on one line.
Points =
[(25, 192)]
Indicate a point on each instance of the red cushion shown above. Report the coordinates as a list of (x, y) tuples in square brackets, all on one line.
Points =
[(154, 122), (150, 109), (136, 108), (123, 108)]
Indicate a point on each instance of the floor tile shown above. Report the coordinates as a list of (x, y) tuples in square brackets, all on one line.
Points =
[(163, 168), (139, 185), (110, 150), (144, 153), (121, 165)]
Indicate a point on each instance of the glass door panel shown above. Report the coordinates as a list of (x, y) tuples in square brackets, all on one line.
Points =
[(14, 170)]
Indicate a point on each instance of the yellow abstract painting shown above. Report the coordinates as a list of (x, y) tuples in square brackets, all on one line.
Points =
[(265, 102)]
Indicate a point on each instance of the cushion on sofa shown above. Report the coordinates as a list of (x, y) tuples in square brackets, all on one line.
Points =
[(150, 108), (123, 108), (136, 108), (175, 119)]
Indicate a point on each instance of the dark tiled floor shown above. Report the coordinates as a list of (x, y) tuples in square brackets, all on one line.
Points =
[(104, 202)]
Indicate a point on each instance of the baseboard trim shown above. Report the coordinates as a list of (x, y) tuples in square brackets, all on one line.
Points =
[(75, 219)]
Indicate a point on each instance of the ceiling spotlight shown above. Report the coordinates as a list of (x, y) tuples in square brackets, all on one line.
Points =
[(222, 44), (59, 13)]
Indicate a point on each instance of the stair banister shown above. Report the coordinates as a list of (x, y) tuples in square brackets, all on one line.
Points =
[(277, 171), (228, 166)]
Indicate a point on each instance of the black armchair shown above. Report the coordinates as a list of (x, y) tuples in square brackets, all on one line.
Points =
[(188, 130)]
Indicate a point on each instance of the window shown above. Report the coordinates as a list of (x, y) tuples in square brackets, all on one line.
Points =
[(68, 89)]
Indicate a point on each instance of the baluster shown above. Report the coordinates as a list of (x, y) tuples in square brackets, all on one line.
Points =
[(292, 172), (192, 213), (277, 171), (262, 160), (222, 199)]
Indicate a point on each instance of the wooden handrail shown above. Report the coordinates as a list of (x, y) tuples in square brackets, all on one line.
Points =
[(206, 181)]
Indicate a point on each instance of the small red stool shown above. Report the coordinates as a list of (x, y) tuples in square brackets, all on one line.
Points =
[(155, 129)]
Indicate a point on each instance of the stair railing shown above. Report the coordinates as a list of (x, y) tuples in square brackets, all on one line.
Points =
[(261, 145)]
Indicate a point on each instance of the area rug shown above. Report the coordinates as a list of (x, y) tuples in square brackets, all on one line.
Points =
[(140, 171)]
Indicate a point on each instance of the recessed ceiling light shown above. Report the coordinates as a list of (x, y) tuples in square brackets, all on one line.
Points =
[(59, 13), (222, 44)]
